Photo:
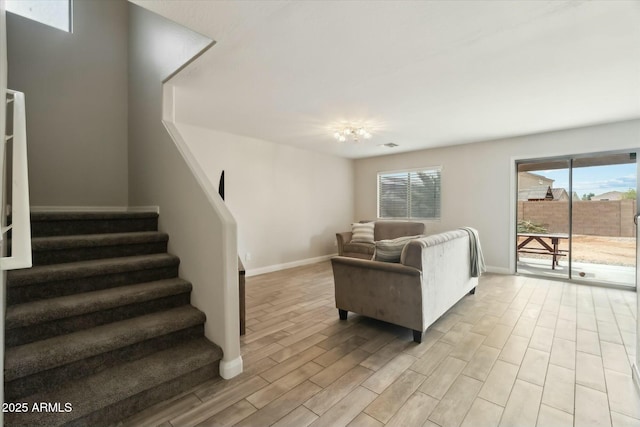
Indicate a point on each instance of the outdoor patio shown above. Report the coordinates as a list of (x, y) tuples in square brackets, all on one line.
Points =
[(582, 271)]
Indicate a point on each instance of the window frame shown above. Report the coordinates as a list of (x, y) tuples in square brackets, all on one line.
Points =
[(43, 20), (428, 169)]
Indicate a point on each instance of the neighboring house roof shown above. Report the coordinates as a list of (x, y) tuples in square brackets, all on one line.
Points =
[(533, 180), (560, 194), (540, 193), (609, 195), (535, 175)]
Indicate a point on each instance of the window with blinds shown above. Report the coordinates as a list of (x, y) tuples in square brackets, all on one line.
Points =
[(413, 194)]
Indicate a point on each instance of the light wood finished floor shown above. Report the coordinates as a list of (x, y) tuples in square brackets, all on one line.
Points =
[(520, 352)]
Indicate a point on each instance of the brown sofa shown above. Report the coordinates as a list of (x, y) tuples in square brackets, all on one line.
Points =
[(383, 230), (435, 272)]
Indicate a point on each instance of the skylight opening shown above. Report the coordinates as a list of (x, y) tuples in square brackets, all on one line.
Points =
[(54, 13)]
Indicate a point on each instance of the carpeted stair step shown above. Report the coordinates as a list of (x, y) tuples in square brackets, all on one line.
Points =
[(44, 319), (101, 321), (49, 363), (70, 223), (50, 281), (125, 389), (62, 249)]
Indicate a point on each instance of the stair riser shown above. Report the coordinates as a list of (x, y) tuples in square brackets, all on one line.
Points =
[(85, 254), (56, 377), (141, 401), (28, 334), (84, 226), (26, 293)]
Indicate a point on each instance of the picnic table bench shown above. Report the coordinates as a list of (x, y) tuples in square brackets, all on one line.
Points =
[(549, 245)]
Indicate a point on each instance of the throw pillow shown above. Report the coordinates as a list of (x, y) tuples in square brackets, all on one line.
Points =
[(362, 232), (390, 250)]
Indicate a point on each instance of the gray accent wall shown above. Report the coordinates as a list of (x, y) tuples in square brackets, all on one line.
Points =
[(75, 86)]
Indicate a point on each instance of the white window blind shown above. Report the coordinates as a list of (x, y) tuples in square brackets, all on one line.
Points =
[(411, 194)]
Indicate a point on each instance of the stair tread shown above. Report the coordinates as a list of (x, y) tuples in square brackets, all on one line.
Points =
[(75, 215), (80, 269), (120, 382), (36, 312), (92, 240), (57, 351)]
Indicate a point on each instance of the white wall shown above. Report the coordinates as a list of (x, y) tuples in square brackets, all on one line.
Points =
[(159, 175), (288, 202), (477, 179), (75, 87)]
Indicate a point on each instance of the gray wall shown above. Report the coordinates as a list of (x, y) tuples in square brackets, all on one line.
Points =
[(289, 203), (75, 86), (478, 180), (159, 174)]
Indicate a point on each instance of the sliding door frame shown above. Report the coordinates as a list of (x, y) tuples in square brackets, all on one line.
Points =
[(570, 158)]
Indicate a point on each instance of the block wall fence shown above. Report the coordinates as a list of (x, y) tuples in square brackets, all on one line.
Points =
[(612, 218)]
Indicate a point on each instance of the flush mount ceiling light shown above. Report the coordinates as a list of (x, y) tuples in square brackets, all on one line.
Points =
[(353, 132)]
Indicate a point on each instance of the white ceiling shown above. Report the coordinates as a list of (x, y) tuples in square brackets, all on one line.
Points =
[(421, 73)]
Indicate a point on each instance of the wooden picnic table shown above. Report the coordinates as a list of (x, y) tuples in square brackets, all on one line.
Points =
[(549, 242)]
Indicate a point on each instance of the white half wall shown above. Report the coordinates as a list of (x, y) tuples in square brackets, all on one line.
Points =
[(201, 230), (478, 179), (288, 202)]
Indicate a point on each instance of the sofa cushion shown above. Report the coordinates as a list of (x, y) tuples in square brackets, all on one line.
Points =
[(360, 248), (362, 233), (391, 250), (386, 230)]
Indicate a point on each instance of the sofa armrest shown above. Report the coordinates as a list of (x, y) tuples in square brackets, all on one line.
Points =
[(385, 291), (342, 238)]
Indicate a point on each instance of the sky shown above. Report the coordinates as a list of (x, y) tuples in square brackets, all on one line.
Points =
[(595, 179)]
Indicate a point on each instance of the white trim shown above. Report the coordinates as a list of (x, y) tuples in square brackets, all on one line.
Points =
[(286, 265), (307, 261), (231, 368), (155, 209)]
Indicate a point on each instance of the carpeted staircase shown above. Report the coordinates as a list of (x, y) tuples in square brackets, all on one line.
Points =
[(101, 322)]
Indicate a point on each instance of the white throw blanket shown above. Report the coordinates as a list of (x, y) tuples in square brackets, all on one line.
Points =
[(477, 258)]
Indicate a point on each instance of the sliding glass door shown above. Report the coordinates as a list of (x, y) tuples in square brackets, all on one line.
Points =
[(544, 213), (583, 228)]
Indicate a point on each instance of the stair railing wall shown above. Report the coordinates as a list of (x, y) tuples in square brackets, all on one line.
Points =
[(15, 186), (163, 172)]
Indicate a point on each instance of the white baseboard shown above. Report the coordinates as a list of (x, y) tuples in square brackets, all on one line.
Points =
[(498, 270), (284, 266), (231, 368), (155, 209)]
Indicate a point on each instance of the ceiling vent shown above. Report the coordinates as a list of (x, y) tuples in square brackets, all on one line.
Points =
[(390, 145)]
